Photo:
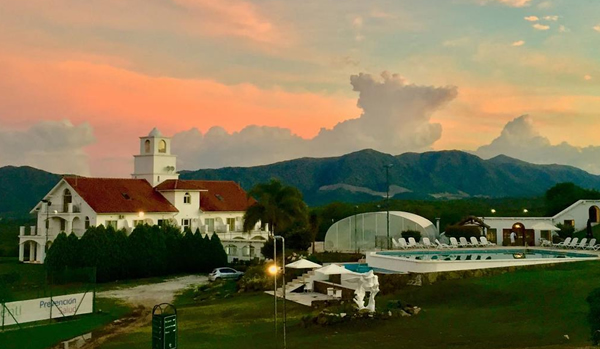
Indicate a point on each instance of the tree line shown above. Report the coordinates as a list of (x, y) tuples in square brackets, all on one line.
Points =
[(148, 251)]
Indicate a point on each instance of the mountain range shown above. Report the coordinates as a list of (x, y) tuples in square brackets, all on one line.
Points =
[(361, 176), (354, 177)]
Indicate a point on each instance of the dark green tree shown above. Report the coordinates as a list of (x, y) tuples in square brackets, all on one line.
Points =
[(217, 253), (57, 257), (278, 205)]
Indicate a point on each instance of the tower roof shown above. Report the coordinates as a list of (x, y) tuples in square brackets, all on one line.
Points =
[(155, 133)]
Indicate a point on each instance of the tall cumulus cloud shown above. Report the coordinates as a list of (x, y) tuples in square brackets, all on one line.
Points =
[(519, 139), (396, 118), (54, 146)]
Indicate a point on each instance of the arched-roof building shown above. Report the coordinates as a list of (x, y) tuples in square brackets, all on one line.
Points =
[(368, 231)]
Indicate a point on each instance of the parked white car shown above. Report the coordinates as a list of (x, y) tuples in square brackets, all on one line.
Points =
[(224, 274)]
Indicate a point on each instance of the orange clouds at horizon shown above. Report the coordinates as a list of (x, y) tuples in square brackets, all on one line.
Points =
[(122, 104)]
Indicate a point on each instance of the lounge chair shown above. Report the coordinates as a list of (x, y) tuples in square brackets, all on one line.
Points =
[(591, 245), (563, 243), (427, 243), (462, 242), (485, 242), (403, 244), (454, 243), (474, 242), (412, 243), (581, 244), (439, 245), (395, 243), (573, 243)]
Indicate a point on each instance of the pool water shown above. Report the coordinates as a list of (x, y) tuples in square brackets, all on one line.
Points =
[(484, 254)]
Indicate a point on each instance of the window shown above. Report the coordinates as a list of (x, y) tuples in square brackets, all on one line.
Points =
[(137, 222), (162, 146), (185, 223), (231, 224), (570, 222), (231, 250), (248, 251), (112, 224), (147, 146), (210, 223), (187, 198), (67, 199), (87, 222), (161, 222), (63, 225), (491, 235)]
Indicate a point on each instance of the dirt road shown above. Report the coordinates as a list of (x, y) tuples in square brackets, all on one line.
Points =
[(152, 294), (142, 298)]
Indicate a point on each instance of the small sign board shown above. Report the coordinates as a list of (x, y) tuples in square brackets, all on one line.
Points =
[(164, 328)]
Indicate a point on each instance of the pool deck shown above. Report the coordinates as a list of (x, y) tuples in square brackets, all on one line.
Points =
[(304, 298), (400, 264)]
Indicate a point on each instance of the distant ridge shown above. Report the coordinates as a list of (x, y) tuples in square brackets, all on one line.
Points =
[(354, 177), (449, 174), (21, 188)]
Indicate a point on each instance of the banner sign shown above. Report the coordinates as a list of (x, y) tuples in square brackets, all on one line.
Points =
[(45, 308)]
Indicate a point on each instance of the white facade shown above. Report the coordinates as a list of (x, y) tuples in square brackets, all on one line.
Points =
[(155, 163), (576, 215), (70, 213)]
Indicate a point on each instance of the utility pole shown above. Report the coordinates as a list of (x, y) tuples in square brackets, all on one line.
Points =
[(387, 201)]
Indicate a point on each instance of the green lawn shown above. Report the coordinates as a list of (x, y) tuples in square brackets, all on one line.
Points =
[(43, 335), (526, 308)]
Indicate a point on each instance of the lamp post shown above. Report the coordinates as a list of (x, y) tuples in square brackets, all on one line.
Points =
[(48, 204), (387, 201), (273, 270)]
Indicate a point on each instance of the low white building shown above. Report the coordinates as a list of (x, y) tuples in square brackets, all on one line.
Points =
[(154, 195), (530, 230)]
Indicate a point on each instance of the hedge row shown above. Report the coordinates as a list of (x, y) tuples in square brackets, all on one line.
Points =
[(148, 251)]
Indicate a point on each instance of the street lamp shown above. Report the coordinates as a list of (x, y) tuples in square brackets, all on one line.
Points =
[(387, 200), (493, 211), (273, 269), (525, 210), (48, 204)]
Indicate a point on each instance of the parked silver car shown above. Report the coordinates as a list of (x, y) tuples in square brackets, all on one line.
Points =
[(224, 274)]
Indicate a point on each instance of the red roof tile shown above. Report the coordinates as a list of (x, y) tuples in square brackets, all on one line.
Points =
[(224, 196), (178, 184), (120, 195), (215, 196)]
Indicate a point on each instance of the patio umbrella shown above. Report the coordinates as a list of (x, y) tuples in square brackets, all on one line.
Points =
[(544, 226), (334, 269), (303, 264)]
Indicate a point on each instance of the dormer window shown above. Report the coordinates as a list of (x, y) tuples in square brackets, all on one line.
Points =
[(187, 198), (162, 146)]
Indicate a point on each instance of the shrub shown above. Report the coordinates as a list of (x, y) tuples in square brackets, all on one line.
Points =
[(460, 231), (412, 234), (566, 231), (256, 279)]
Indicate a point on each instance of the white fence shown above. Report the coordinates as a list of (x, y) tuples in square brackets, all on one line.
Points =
[(20, 312)]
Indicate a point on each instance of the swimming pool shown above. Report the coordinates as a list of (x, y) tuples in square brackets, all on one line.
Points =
[(423, 261)]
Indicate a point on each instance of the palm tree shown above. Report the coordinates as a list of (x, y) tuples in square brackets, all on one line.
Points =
[(277, 205)]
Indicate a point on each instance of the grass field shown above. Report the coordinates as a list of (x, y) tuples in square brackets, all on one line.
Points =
[(526, 308), (44, 335)]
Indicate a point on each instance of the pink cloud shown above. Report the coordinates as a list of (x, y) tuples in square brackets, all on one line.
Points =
[(121, 104)]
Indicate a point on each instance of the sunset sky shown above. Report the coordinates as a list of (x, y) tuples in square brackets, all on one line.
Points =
[(241, 83)]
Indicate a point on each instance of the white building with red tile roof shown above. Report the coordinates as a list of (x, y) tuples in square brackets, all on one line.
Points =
[(154, 195)]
